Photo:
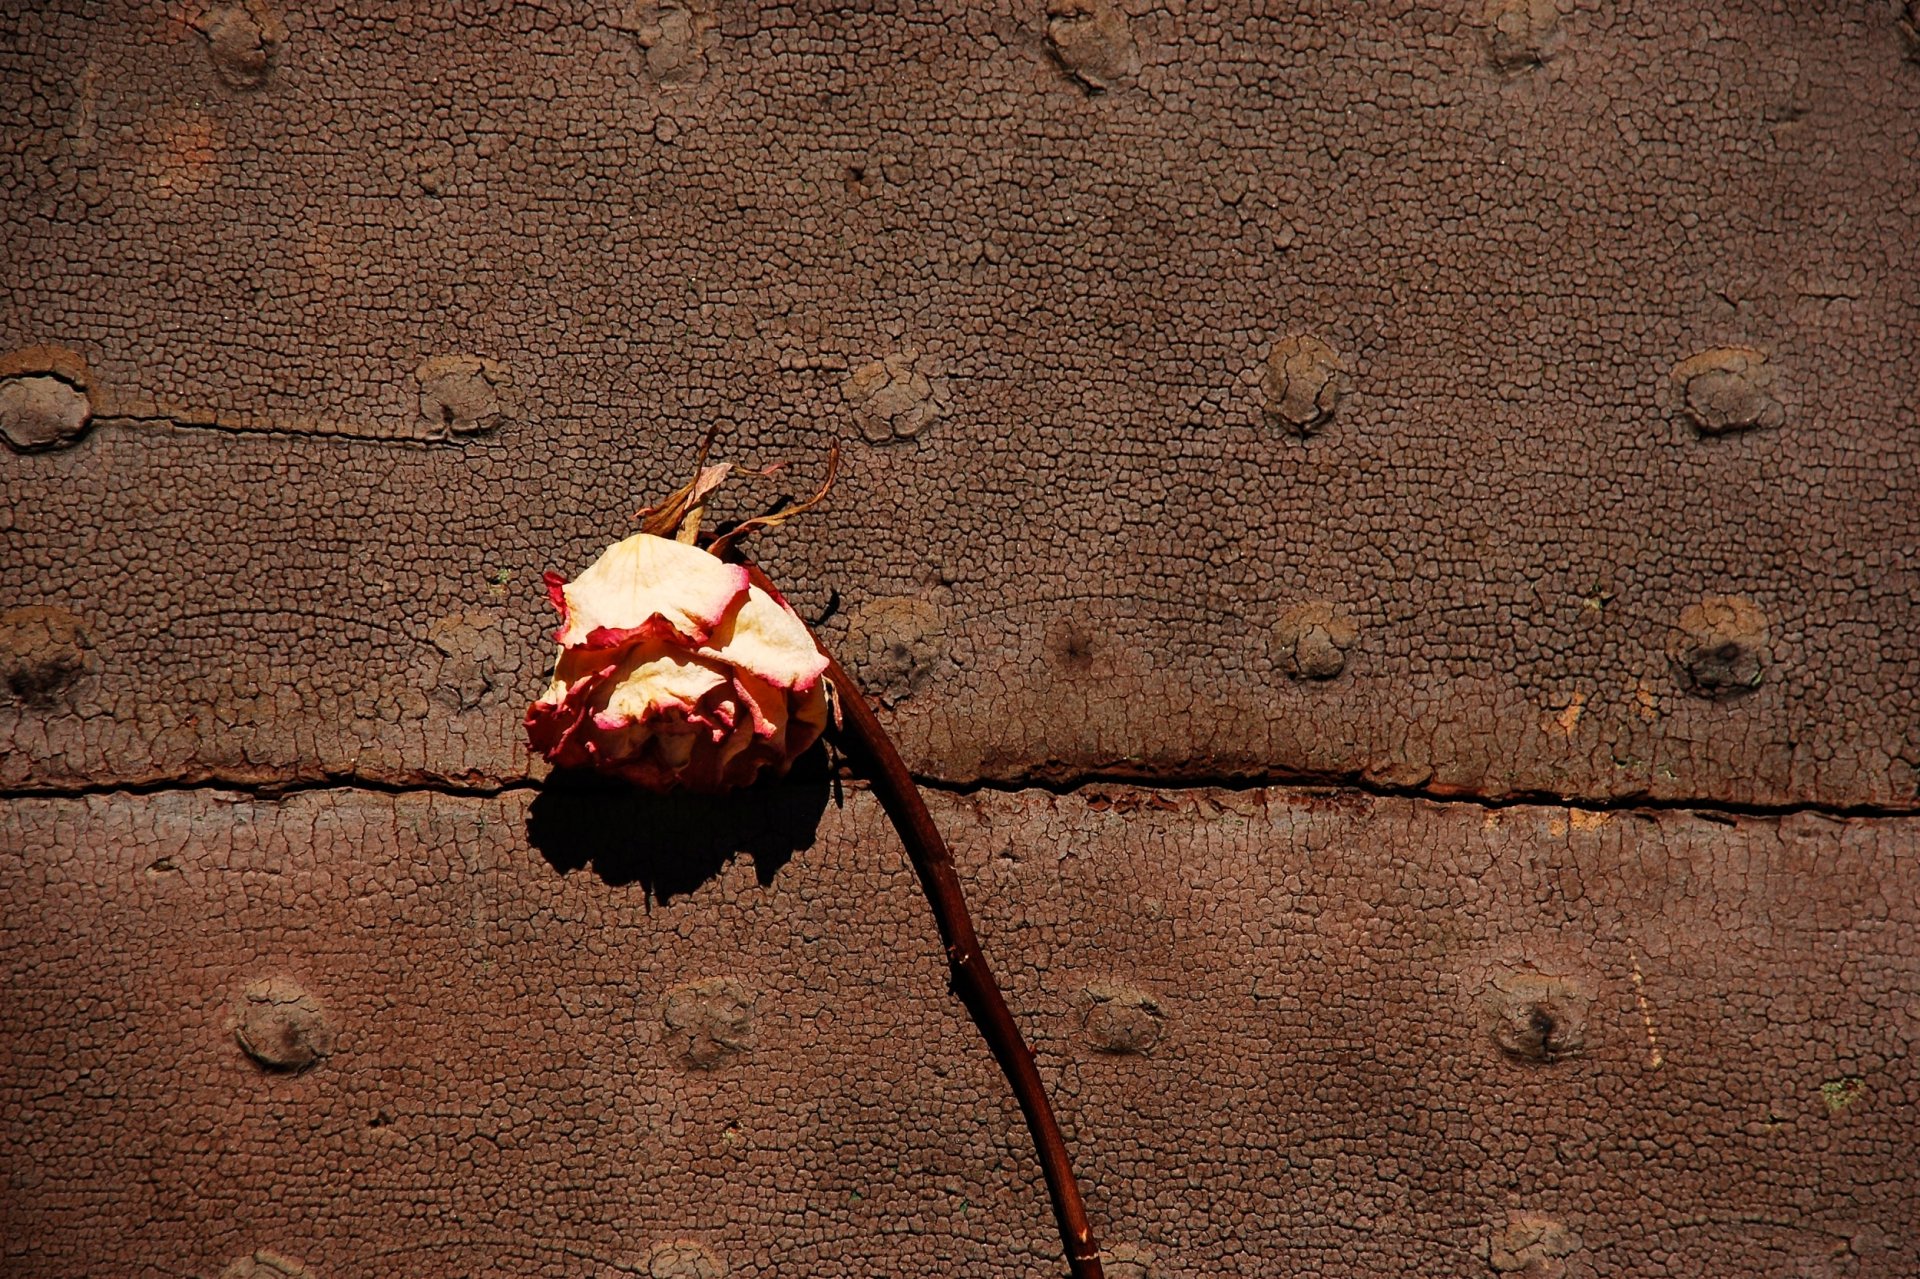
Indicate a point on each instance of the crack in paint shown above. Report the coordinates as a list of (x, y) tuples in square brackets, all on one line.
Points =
[(1074, 784)]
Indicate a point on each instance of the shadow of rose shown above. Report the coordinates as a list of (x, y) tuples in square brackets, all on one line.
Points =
[(672, 844)]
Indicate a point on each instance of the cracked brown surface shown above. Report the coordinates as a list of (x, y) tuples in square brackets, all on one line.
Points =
[(1279, 1026), (1496, 399), (436, 303)]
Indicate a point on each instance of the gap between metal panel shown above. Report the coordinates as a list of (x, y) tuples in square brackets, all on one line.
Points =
[(1065, 785)]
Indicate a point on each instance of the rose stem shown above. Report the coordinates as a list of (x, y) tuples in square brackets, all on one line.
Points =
[(972, 979)]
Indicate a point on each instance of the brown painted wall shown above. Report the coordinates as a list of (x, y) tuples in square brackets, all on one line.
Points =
[(1409, 510)]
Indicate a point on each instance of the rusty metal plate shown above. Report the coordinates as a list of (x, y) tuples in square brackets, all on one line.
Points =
[(363, 1034), (1459, 398)]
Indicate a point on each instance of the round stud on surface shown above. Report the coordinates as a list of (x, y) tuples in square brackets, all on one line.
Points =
[(896, 398), (1121, 1019), (1535, 1017), (265, 1264), (462, 394), (1304, 382), (283, 1027), (44, 651), (44, 402), (1311, 640), (1093, 42), (1719, 647), (683, 1259), (243, 40), (1530, 1246), (895, 644), (1521, 34), (673, 37), (1727, 390), (1129, 1261), (709, 1022)]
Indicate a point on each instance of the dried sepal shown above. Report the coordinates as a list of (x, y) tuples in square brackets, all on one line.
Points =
[(773, 519), (678, 517)]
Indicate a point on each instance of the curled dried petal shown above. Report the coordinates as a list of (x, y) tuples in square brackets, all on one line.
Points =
[(676, 669), (646, 587)]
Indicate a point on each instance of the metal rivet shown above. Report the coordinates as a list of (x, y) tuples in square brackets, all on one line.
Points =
[(1311, 640), (243, 40), (897, 643), (281, 1026), (709, 1022), (1728, 389), (898, 397), (1521, 34), (1121, 1019), (1719, 646), (1305, 379), (1093, 42)]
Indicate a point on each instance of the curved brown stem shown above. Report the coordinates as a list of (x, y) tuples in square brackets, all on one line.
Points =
[(972, 979)]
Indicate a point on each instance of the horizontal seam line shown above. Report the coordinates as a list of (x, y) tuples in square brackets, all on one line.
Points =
[(1065, 786)]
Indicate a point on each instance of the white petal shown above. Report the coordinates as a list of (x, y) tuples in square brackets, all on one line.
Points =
[(648, 587)]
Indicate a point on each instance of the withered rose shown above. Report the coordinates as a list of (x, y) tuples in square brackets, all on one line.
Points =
[(681, 666), (677, 669)]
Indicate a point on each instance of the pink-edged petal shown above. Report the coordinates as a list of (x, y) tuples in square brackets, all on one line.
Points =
[(648, 587), (555, 724), (765, 704), (764, 638)]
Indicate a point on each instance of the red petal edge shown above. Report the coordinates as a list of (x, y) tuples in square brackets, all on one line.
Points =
[(557, 592)]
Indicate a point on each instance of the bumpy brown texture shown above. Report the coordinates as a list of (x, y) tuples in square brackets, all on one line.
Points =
[(1511, 220), (326, 328), (1327, 1090)]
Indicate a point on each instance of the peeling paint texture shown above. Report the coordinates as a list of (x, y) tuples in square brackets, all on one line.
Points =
[(1294, 1051), (1389, 527), (1038, 320)]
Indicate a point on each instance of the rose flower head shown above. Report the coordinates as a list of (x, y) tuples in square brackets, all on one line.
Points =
[(676, 667)]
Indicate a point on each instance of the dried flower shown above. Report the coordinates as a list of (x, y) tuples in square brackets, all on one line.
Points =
[(680, 666), (676, 668)]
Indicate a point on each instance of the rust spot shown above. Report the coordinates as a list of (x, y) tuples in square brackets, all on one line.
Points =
[(281, 1026), (182, 154), (1304, 381), (709, 1022), (1122, 1019), (1728, 389), (1311, 640), (1093, 42), (1719, 646)]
